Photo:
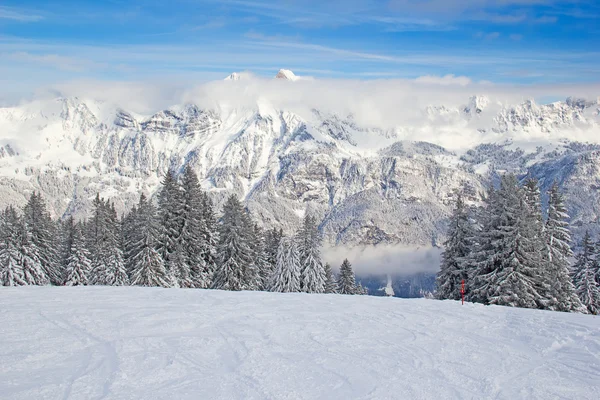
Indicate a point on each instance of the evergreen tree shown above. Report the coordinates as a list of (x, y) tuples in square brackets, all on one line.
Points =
[(453, 269), (534, 228), (252, 279), (561, 293), (508, 272), (148, 267), (33, 270), (312, 277), (78, 265), (170, 209), (19, 258), (346, 280), (180, 269), (330, 282), (233, 250), (43, 235), (585, 284), (361, 290), (209, 254), (194, 235), (286, 276), (11, 270), (265, 270), (272, 239), (66, 231), (108, 267)]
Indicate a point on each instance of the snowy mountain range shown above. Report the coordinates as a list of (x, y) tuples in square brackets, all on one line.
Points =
[(367, 184)]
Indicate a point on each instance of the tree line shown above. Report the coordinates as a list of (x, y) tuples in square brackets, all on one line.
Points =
[(177, 242), (509, 254)]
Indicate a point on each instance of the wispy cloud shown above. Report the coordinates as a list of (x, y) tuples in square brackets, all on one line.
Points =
[(444, 80), (20, 15), (64, 63), (487, 36)]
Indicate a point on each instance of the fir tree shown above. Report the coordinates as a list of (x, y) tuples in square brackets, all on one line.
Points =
[(312, 272), (78, 265), (233, 250), (209, 252), (534, 230), (272, 239), (67, 229), (561, 293), (108, 267), (193, 239), (180, 269), (11, 270), (346, 283), (286, 276), (585, 284), (265, 270), (170, 209), (330, 282), (508, 264), (43, 235), (453, 269), (252, 279), (148, 267), (130, 230)]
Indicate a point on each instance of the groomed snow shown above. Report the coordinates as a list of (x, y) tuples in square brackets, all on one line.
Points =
[(140, 343)]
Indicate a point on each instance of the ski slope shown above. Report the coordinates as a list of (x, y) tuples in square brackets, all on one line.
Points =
[(147, 343)]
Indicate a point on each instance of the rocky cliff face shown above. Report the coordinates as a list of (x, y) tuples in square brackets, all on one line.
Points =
[(366, 184)]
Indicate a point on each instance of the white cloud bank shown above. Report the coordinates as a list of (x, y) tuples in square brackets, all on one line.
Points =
[(397, 104), (385, 259)]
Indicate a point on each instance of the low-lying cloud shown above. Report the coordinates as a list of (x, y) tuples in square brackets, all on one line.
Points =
[(385, 259)]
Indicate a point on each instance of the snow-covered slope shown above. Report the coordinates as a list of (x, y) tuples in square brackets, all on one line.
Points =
[(368, 184), (145, 343)]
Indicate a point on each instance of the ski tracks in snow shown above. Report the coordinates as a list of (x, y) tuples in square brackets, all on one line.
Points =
[(115, 343)]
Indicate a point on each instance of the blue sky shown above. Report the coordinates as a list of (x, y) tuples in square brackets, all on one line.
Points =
[(502, 41)]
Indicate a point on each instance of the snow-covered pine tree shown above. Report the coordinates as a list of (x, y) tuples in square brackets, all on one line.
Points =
[(272, 240), (180, 269), (286, 276), (561, 295), (507, 272), (78, 266), (148, 268), (43, 235), (264, 267), (361, 290), (312, 275), (209, 254), (534, 228), (129, 230), (330, 282), (346, 283), (482, 258), (11, 270), (585, 283), (252, 279), (453, 269), (33, 271), (193, 239), (233, 251), (170, 210), (66, 230), (108, 267)]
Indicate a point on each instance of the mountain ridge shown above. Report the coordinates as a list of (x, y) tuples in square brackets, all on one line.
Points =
[(367, 185)]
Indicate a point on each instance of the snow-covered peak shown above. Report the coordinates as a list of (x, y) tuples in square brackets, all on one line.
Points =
[(476, 104), (238, 76), (286, 74)]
